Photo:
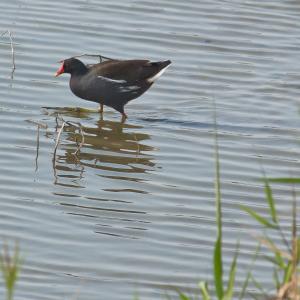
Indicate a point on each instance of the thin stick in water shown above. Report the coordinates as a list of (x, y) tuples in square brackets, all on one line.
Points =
[(37, 147), (101, 57), (12, 51)]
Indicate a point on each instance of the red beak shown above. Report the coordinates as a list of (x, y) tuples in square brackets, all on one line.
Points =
[(60, 70)]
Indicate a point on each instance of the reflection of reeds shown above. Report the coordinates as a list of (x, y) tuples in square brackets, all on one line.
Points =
[(60, 128), (39, 126)]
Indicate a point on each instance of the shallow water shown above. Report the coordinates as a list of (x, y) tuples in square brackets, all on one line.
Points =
[(134, 211)]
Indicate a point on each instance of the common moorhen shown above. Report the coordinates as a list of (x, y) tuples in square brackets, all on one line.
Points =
[(112, 82)]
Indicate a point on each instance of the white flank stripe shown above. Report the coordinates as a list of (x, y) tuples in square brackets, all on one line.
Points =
[(112, 80), (124, 89)]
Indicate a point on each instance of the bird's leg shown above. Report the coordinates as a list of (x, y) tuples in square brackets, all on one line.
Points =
[(124, 117), (101, 108)]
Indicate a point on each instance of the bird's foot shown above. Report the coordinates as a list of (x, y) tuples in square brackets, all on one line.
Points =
[(124, 117), (101, 109)]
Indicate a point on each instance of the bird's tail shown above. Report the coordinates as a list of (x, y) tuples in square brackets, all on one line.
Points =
[(161, 67)]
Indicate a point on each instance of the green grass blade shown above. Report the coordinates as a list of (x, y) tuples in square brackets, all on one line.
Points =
[(217, 179), (259, 286), (244, 286), (279, 260), (258, 217), (298, 254), (246, 282), (285, 180), (276, 279), (10, 267), (271, 202), (183, 296), (288, 272), (218, 262), (218, 191), (229, 292), (275, 261), (204, 291), (218, 269)]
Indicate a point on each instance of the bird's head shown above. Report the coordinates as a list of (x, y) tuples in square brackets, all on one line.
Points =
[(71, 66)]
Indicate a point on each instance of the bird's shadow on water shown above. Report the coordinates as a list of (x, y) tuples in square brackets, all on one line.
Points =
[(176, 122), (113, 149)]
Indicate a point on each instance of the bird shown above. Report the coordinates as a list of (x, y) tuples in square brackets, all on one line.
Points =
[(112, 82)]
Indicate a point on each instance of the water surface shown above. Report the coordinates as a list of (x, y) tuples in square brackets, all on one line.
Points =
[(134, 211)]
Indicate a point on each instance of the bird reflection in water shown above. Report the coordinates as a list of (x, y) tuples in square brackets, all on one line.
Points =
[(114, 149)]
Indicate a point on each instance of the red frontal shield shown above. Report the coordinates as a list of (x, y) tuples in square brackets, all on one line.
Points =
[(60, 70)]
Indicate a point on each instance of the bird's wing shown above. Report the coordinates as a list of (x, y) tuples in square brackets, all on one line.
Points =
[(118, 85), (128, 70)]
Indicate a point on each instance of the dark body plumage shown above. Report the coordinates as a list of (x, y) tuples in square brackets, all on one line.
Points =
[(112, 82)]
